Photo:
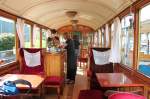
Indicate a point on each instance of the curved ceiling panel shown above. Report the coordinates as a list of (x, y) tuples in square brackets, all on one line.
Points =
[(51, 13), (56, 20), (64, 23)]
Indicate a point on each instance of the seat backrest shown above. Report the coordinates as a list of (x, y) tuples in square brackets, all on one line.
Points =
[(105, 68), (24, 68), (125, 95)]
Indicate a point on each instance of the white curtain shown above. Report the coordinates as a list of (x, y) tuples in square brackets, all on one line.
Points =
[(107, 35), (100, 34), (20, 31), (115, 46), (48, 33), (35, 33)]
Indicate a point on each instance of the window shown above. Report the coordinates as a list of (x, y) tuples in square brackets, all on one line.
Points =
[(7, 41), (89, 39), (84, 40), (37, 39), (127, 36), (43, 38), (95, 39), (27, 32), (144, 41)]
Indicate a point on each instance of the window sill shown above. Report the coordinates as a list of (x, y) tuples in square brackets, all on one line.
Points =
[(8, 64), (7, 68)]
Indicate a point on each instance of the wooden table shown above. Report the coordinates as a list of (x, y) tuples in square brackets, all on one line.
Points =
[(35, 80), (117, 80)]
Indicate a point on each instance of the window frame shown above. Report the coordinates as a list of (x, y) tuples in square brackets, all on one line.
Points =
[(127, 29), (16, 40)]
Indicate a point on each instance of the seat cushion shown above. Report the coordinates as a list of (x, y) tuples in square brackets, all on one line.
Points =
[(53, 80), (90, 94), (125, 95), (33, 70)]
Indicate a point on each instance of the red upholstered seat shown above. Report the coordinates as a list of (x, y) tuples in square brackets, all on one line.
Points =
[(25, 69), (56, 82), (53, 80), (97, 68), (90, 94), (50, 81), (125, 95), (31, 70)]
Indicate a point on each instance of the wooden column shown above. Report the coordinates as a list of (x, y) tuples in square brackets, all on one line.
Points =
[(136, 39)]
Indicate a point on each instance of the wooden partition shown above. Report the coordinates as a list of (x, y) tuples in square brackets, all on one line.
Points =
[(54, 63)]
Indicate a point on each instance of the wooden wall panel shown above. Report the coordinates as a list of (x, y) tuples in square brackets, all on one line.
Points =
[(9, 68), (54, 63)]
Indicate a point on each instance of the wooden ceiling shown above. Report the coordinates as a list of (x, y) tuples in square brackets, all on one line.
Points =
[(80, 28)]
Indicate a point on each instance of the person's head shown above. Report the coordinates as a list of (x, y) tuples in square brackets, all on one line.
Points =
[(49, 39), (75, 37), (56, 38), (66, 36)]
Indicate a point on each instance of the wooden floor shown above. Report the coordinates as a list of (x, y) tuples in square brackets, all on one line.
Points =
[(71, 91)]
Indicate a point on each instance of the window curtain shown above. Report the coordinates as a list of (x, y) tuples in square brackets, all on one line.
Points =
[(20, 31), (35, 33), (115, 56), (48, 33), (107, 35), (100, 36), (97, 39)]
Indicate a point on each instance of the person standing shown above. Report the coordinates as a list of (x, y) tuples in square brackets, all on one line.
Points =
[(77, 45), (71, 60), (56, 41), (77, 48)]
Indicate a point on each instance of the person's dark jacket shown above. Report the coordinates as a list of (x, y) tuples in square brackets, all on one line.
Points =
[(70, 52)]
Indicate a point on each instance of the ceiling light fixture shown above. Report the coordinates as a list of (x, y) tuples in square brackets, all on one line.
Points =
[(71, 14), (74, 21)]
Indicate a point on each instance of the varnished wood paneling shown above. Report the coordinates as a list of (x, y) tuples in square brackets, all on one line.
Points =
[(136, 39), (54, 63), (9, 68)]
